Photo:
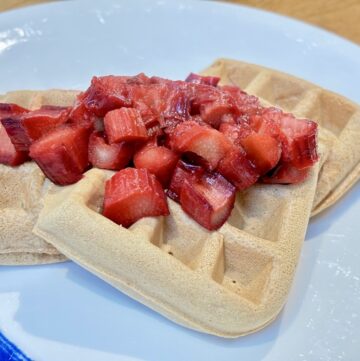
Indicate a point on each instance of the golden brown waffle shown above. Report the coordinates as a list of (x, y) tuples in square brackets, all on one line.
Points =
[(338, 116)]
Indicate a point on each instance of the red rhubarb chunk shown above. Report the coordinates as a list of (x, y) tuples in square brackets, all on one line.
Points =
[(235, 132), (208, 200), (8, 154), (62, 154), (245, 104), (81, 117), (267, 122), (199, 79), (177, 105), (299, 141), (132, 194), (263, 150), (213, 113), (158, 160), (41, 121), (104, 94), (202, 95), (8, 109), (151, 101), (10, 116), (16, 132), (208, 143), (124, 124), (181, 172), (285, 173), (297, 136), (238, 169), (108, 156)]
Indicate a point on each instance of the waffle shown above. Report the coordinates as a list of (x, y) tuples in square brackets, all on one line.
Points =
[(230, 282)]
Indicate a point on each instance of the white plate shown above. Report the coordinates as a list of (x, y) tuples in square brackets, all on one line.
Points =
[(62, 312)]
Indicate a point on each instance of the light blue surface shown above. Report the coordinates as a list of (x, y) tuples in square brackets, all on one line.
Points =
[(62, 312)]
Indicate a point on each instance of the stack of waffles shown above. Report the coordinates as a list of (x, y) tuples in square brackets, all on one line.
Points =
[(228, 282)]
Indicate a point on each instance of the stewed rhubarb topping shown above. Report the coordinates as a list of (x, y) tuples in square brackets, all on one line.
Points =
[(194, 140)]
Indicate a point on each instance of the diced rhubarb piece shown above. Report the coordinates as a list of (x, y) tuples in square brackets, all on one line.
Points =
[(235, 132), (263, 150), (9, 109), (10, 116), (104, 94), (138, 79), (80, 116), (202, 95), (124, 124), (245, 104), (41, 121), (177, 104), (298, 136), (132, 194), (299, 141), (212, 104), (199, 79), (208, 200), (151, 101), (108, 156), (16, 132), (8, 154), (286, 173), (158, 160), (181, 172), (148, 117), (204, 141), (207, 197), (267, 122), (213, 113), (62, 154), (238, 169)]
